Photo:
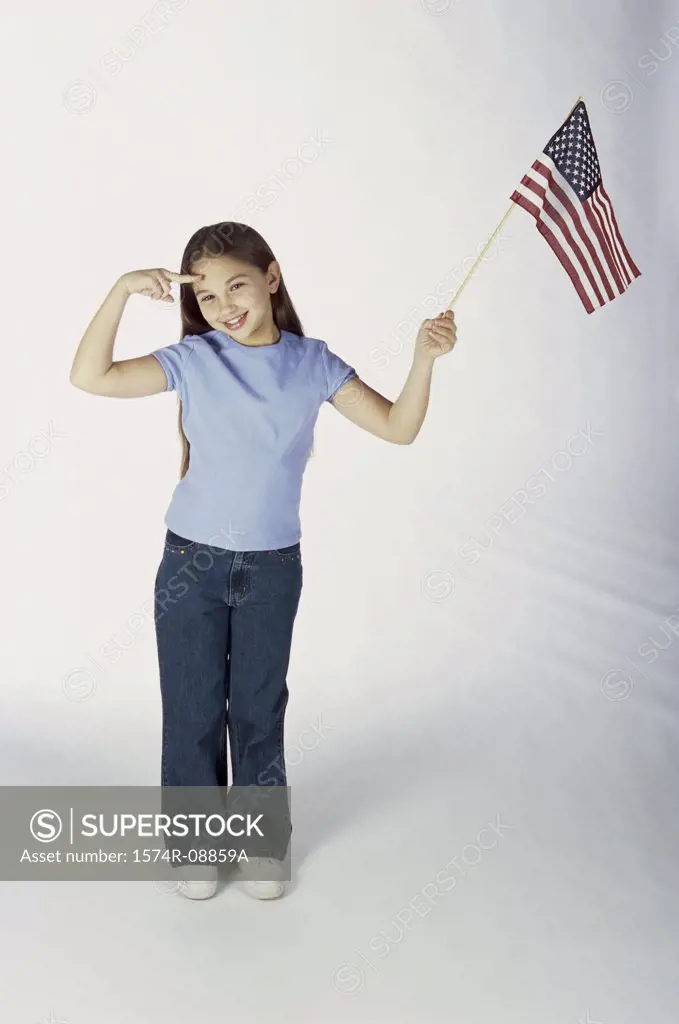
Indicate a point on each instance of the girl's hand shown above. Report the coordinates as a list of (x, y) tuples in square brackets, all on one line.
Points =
[(438, 336), (155, 283)]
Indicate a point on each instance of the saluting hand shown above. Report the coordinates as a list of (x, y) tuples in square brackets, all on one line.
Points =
[(156, 283)]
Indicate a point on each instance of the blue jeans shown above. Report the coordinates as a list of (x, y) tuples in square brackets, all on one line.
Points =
[(224, 621)]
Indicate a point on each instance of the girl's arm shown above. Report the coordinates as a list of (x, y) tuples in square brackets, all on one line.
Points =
[(94, 355), (93, 368), (399, 422)]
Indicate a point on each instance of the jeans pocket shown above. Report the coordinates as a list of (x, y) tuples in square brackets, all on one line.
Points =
[(178, 545), (289, 554)]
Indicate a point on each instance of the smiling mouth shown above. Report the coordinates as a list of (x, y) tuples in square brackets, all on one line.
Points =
[(235, 324)]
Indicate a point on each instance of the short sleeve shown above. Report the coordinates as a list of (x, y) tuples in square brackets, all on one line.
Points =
[(335, 372), (173, 359)]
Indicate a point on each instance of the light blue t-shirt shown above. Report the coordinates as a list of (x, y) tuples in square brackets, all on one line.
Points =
[(249, 414)]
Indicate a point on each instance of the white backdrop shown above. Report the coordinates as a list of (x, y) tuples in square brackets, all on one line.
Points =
[(466, 659)]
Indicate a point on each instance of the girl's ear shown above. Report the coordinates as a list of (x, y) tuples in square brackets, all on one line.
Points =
[(274, 276)]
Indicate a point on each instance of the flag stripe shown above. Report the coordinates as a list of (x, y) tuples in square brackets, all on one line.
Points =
[(521, 200), (559, 187), (563, 192), (634, 270), (607, 228), (553, 242), (559, 221), (589, 214), (551, 228), (625, 271), (589, 229), (573, 207)]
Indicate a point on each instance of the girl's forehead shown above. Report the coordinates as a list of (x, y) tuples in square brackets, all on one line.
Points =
[(219, 268)]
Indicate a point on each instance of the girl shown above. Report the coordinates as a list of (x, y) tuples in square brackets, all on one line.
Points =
[(250, 387)]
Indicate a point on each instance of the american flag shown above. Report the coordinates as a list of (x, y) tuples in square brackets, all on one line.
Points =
[(564, 192)]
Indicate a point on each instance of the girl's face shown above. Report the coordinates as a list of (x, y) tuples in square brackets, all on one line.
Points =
[(235, 297)]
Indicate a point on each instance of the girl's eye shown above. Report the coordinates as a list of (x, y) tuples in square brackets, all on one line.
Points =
[(206, 297), (238, 284)]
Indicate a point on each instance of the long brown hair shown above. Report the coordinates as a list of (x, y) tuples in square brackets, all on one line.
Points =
[(229, 238)]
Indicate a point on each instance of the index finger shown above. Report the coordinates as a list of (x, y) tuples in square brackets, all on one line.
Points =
[(183, 278)]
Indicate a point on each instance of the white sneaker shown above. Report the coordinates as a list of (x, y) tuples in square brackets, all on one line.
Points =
[(271, 887), (198, 890), (200, 881)]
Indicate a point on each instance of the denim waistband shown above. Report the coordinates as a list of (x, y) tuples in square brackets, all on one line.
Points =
[(175, 540)]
